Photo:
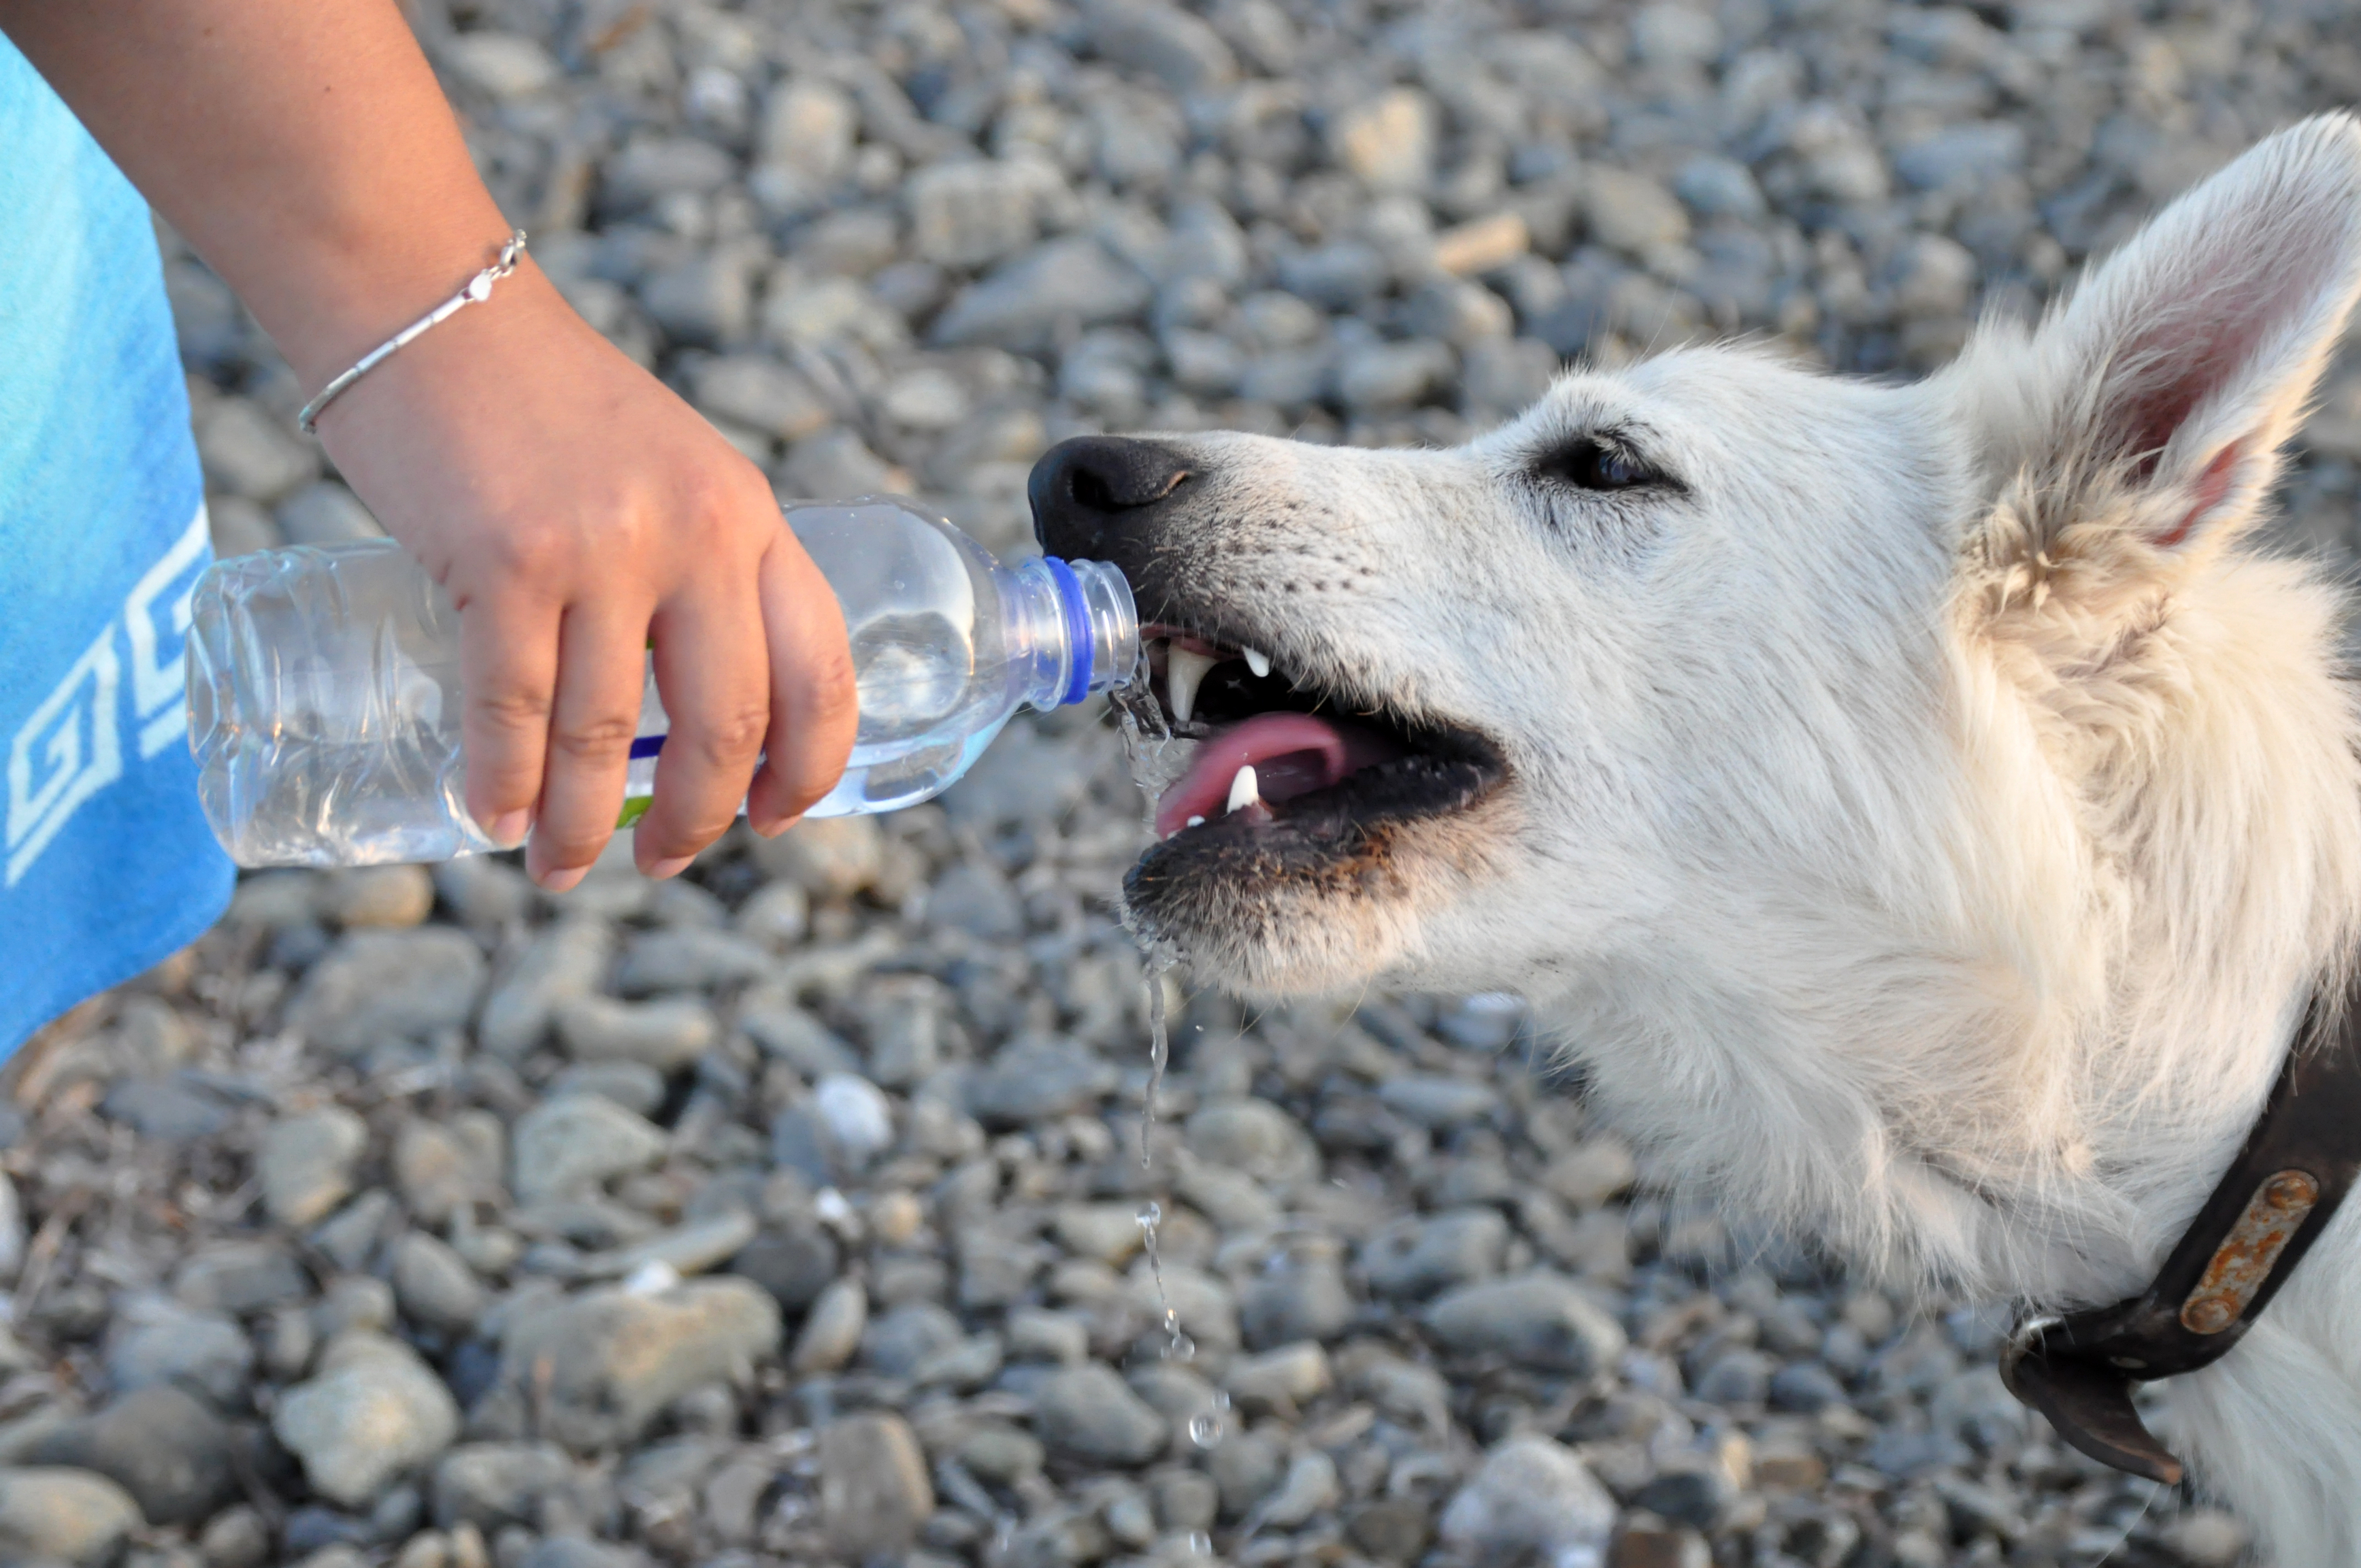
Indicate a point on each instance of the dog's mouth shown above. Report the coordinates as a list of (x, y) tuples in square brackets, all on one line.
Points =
[(1286, 764)]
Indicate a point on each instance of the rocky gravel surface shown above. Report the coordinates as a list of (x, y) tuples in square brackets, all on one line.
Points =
[(790, 1213)]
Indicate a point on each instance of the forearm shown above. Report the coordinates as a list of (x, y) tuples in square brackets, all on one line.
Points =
[(304, 146)]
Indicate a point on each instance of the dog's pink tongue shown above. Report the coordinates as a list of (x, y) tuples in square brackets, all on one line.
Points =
[(1292, 754)]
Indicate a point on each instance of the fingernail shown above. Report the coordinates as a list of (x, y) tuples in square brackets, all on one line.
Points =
[(659, 870), (772, 829), (509, 831), (562, 880)]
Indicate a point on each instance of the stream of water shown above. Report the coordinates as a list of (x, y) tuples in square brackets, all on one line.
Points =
[(1157, 761)]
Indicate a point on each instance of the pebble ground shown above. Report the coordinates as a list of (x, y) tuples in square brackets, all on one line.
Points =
[(788, 1213)]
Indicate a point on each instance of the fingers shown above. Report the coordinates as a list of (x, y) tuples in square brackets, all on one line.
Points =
[(710, 664), (814, 708), (507, 668), (602, 674)]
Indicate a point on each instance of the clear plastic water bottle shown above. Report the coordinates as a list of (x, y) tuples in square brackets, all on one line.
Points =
[(324, 702)]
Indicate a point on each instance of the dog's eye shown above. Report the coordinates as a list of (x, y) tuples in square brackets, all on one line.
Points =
[(1593, 465)]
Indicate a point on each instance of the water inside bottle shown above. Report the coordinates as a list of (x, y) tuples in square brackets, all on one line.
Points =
[(353, 658)]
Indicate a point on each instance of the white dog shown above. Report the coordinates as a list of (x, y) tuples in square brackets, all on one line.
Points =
[(1918, 814)]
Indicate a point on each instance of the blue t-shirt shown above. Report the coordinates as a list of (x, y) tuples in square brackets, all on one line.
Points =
[(106, 862)]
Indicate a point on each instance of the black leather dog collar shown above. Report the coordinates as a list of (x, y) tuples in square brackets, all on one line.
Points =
[(2296, 1166)]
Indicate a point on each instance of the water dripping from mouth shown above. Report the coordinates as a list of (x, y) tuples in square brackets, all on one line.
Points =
[(1177, 1346), (1157, 762)]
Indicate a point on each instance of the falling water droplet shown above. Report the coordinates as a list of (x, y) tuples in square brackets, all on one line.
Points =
[(1200, 1545), (1204, 1429)]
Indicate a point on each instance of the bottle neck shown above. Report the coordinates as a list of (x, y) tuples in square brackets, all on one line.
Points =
[(1071, 629)]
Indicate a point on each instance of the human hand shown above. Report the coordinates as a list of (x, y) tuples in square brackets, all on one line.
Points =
[(575, 509)]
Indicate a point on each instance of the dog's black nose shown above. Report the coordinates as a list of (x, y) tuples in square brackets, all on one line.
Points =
[(1089, 492)]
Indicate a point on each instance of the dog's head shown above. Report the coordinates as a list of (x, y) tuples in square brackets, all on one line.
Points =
[(1712, 642)]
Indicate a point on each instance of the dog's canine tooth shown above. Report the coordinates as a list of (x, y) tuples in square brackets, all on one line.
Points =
[(1244, 789), (1257, 659), (1183, 669)]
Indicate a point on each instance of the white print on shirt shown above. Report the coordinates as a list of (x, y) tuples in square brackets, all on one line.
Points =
[(72, 746)]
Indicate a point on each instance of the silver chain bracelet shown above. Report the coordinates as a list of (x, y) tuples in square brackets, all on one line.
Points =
[(478, 290)]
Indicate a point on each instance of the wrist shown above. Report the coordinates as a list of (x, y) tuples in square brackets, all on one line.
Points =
[(354, 291)]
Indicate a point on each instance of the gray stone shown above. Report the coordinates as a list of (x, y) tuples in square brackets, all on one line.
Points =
[(1437, 1103), (1087, 1413), (563, 964), (706, 301), (155, 1342), (1631, 212), (856, 1117), (614, 1358), (1036, 1077), (579, 1552), (1538, 1320), (489, 1485), (239, 1277), (833, 1330), (650, 166), (1804, 1387), (377, 985), (349, 1238), (1717, 187), (507, 66), (828, 857), (1534, 1496), (685, 959), (1305, 1301), (1379, 376), (794, 1264), (1962, 156), (251, 454), (51, 1515), (666, 1034), (896, 1343), (1308, 1486), (874, 1490), (1738, 1376), (1253, 1138), (160, 1444), (1247, 1468), (1280, 1380), (578, 1142), (761, 394), (434, 1285), (838, 463), (809, 126), (1692, 1492), (1415, 1258), (635, 1086), (1388, 141), (1343, 276), (1072, 280), (305, 1163), (686, 1249), (1164, 41), (974, 213), (172, 1110), (373, 1412), (327, 513), (440, 1168)]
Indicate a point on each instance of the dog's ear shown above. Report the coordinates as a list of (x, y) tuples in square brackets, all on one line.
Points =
[(2170, 379)]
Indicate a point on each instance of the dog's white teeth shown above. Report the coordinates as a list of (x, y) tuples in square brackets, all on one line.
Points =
[(1258, 661), (1184, 670), (1196, 822), (1244, 789)]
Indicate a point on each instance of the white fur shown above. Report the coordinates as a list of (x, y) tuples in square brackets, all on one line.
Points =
[(1927, 825)]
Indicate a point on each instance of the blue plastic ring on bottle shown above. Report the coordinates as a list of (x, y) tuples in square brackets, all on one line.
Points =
[(1078, 627)]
